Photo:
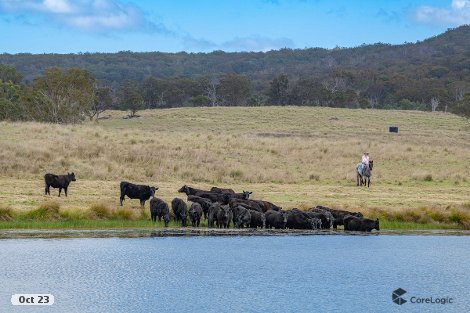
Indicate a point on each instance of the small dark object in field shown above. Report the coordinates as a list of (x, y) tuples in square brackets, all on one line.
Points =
[(127, 117), (393, 129), (58, 181)]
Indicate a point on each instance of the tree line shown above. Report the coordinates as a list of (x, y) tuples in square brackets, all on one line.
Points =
[(72, 95), (432, 75)]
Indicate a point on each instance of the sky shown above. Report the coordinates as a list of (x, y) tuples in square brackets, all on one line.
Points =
[(66, 26)]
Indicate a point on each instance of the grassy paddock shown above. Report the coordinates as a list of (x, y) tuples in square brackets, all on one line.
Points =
[(292, 156)]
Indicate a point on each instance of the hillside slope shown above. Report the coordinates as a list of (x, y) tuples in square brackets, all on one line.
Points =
[(294, 156)]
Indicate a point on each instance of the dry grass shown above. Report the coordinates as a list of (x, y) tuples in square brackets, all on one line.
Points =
[(293, 156)]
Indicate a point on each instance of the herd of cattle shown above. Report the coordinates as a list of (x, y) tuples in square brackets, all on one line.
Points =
[(223, 207)]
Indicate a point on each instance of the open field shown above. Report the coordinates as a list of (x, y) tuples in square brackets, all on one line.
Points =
[(292, 156)]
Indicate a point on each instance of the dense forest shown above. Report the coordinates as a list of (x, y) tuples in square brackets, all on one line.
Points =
[(430, 75)]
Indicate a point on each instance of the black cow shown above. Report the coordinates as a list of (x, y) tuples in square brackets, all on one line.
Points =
[(258, 219), (159, 209), (266, 206), (338, 215), (58, 181), (241, 217), (242, 195), (327, 219), (354, 223), (222, 190), (133, 191), (195, 213), (205, 203), (213, 197), (276, 219), (249, 204), (191, 191), (223, 197), (180, 210), (224, 216), (212, 214), (297, 219)]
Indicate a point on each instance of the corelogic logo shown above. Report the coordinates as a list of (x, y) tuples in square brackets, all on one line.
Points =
[(396, 296), (398, 293)]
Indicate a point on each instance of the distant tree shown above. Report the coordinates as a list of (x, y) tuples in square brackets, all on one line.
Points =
[(257, 100), (102, 101), (434, 104), (10, 105), (9, 74), (462, 108), (234, 89), (210, 90), (200, 101), (130, 97), (61, 96), (310, 91), (278, 92), (153, 92)]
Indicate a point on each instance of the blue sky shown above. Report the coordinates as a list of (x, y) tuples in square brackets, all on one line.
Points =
[(66, 26)]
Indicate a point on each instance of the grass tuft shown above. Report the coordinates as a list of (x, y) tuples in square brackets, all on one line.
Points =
[(124, 214), (100, 211), (428, 177), (6, 214), (47, 211)]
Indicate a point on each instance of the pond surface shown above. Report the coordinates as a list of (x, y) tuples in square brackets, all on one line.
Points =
[(237, 274)]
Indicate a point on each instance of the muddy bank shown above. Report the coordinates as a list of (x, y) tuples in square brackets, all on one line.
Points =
[(191, 232)]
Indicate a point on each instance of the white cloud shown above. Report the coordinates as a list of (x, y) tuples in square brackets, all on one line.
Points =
[(57, 6), (91, 15), (257, 43), (459, 4), (250, 43), (457, 14)]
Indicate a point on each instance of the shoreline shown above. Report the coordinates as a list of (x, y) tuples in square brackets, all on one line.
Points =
[(149, 232)]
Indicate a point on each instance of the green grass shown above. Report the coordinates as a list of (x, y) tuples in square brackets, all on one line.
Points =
[(385, 224), (102, 224)]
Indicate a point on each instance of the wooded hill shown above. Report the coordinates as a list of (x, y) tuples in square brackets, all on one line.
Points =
[(407, 76)]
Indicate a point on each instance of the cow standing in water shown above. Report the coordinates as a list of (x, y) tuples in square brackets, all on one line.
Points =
[(58, 181), (133, 191)]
